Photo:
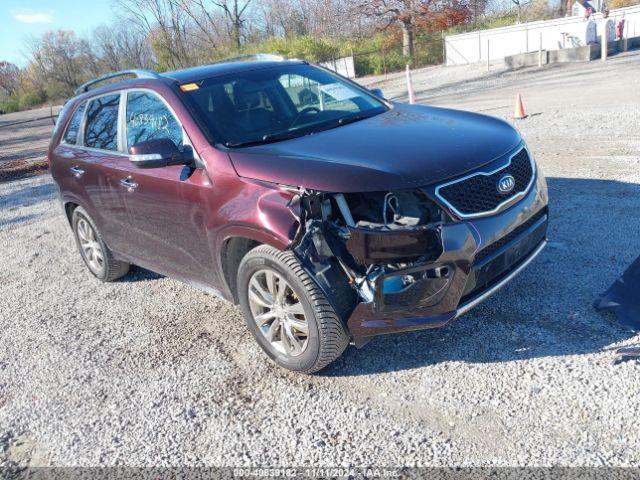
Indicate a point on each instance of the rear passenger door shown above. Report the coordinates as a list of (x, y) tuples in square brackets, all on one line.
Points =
[(104, 165), (166, 206), (67, 160)]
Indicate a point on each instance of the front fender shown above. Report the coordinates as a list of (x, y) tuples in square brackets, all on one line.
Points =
[(261, 214), (273, 219)]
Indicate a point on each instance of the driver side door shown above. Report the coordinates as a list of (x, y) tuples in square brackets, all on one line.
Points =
[(166, 205)]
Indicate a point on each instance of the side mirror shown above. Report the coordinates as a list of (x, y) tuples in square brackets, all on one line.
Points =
[(159, 153), (377, 92)]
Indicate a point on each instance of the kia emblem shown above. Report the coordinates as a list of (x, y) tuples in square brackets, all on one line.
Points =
[(506, 184)]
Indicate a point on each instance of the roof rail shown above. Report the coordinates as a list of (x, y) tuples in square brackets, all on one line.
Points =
[(254, 57), (137, 73)]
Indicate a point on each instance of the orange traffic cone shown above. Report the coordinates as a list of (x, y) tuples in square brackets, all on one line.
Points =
[(518, 113)]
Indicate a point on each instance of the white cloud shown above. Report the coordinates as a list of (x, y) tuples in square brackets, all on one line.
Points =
[(31, 17)]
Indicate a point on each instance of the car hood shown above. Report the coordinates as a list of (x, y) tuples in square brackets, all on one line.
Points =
[(407, 146)]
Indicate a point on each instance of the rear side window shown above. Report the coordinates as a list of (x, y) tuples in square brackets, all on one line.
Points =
[(148, 118), (71, 135), (101, 130)]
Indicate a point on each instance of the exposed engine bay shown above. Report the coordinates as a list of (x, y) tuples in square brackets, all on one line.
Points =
[(373, 247)]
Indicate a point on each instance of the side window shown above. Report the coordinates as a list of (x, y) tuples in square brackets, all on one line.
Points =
[(71, 134), (101, 130), (148, 118)]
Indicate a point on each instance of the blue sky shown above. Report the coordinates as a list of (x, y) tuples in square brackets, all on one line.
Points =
[(21, 19)]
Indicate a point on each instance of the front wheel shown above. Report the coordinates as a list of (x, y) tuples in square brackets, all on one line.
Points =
[(288, 314)]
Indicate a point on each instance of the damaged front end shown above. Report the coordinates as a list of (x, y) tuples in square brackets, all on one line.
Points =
[(398, 261), (376, 256)]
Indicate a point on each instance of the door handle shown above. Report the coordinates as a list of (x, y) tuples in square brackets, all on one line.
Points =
[(129, 184), (77, 171)]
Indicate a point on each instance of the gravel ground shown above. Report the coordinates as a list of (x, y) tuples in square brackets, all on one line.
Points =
[(149, 372)]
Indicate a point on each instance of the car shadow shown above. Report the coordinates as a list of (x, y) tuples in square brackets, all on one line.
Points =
[(139, 274), (547, 310), (19, 220), (27, 196)]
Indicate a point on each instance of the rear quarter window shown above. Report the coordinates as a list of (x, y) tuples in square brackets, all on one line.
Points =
[(73, 128), (101, 129)]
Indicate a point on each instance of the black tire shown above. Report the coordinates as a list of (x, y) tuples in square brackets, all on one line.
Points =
[(111, 269), (327, 337)]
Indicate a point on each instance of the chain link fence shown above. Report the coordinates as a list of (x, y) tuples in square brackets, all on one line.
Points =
[(427, 50), (383, 57)]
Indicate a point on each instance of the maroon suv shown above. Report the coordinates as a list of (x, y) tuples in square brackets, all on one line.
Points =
[(326, 212)]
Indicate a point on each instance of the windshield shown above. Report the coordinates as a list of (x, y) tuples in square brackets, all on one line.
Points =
[(273, 104)]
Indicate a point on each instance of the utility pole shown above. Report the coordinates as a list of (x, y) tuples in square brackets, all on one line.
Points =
[(604, 46), (540, 52), (488, 57)]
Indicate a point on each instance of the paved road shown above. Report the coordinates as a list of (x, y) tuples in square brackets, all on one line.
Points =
[(24, 137), (148, 371)]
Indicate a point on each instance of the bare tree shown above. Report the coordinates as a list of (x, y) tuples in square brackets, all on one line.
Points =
[(9, 77), (171, 34), (392, 12), (184, 32), (63, 58), (118, 47), (209, 25), (477, 9), (235, 13), (283, 18), (208, 16), (411, 15), (165, 24), (334, 18)]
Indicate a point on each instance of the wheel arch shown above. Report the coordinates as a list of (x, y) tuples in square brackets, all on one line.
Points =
[(232, 252), (236, 243), (69, 207), (70, 202)]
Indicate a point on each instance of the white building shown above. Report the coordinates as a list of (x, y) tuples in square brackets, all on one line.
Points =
[(559, 33)]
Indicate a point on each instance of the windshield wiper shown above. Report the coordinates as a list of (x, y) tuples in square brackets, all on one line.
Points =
[(300, 132), (248, 143), (268, 138), (355, 118), (276, 137)]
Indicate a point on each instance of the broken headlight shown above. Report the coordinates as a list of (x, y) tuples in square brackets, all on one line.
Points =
[(400, 209), (385, 243)]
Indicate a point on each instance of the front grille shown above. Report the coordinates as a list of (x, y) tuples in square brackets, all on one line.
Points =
[(498, 244), (478, 194)]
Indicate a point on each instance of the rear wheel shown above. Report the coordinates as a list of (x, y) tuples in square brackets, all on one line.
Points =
[(287, 313), (95, 253)]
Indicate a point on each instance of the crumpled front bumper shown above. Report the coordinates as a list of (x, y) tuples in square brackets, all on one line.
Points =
[(479, 257)]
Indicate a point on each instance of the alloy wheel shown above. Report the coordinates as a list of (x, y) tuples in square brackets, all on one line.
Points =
[(278, 312), (91, 248)]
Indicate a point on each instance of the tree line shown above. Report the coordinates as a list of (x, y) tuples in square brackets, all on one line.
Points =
[(162, 35)]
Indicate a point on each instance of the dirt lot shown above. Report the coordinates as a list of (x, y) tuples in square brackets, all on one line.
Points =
[(148, 371)]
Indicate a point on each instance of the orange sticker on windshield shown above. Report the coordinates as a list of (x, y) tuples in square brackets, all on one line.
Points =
[(189, 87)]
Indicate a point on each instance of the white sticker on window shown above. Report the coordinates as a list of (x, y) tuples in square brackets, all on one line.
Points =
[(338, 91)]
